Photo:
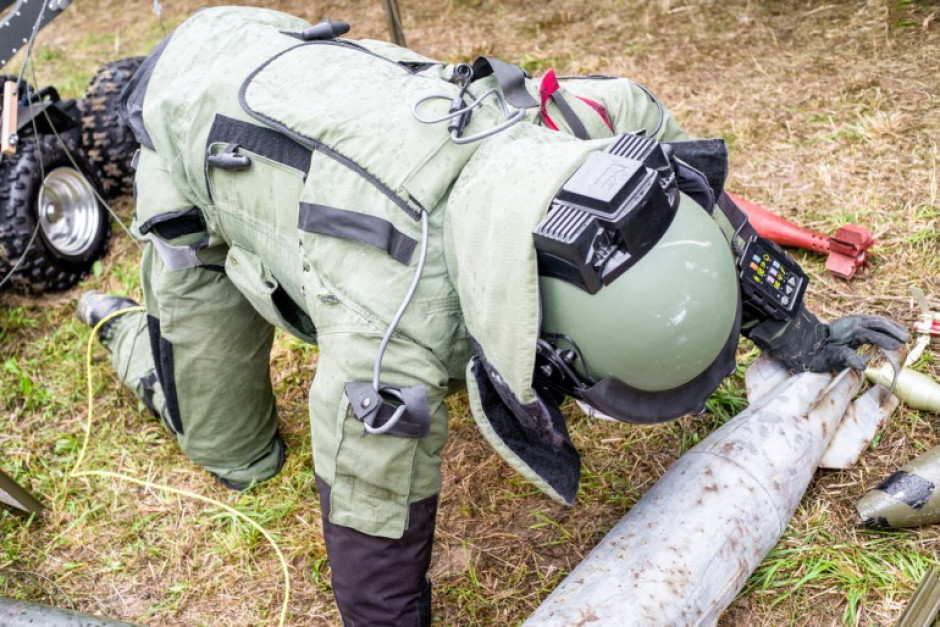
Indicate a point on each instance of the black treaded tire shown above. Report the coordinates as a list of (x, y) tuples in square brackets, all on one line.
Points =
[(109, 143), (44, 197)]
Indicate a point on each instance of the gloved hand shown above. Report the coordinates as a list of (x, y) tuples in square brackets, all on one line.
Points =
[(807, 344)]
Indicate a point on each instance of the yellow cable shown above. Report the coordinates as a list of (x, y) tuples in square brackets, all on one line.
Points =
[(155, 486), (91, 395), (205, 499)]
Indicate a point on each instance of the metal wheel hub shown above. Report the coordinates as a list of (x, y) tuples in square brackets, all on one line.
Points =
[(68, 212)]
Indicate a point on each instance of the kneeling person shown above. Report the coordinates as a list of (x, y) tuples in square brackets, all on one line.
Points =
[(539, 241)]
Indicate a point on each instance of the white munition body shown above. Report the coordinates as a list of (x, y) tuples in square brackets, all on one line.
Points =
[(685, 550)]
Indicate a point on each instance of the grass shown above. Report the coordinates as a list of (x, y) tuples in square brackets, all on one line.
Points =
[(799, 567), (832, 115)]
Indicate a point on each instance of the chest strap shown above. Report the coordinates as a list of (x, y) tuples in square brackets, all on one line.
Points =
[(358, 227)]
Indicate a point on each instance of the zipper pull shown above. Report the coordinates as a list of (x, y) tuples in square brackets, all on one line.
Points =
[(325, 30), (228, 159)]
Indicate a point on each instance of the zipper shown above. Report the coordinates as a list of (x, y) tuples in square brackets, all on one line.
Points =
[(312, 144)]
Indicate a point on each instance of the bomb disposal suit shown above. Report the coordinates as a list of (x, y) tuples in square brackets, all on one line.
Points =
[(428, 226)]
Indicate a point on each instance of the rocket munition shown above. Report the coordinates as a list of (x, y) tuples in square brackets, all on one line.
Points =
[(15, 613), (685, 550), (918, 391), (907, 498), (13, 495)]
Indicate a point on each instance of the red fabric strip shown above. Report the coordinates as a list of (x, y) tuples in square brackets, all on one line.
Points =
[(547, 87)]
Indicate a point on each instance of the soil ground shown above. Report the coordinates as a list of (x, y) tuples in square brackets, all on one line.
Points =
[(831, 114)]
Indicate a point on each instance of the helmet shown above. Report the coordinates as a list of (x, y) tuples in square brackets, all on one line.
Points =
[(655, 341)]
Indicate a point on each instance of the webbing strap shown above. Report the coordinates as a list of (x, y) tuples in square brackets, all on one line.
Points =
[(574, 122), (191, 216), (358, 227), (260, 140), (737, 220), (511, 79), (175, 224), (550, 89)]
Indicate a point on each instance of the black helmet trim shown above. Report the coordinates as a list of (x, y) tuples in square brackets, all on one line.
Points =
[(619, 400)]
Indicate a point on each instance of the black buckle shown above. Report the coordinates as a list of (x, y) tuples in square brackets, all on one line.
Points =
[(398, 411), (229, 159)]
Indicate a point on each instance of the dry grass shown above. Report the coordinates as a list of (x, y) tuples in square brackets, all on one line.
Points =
[(831, 111)]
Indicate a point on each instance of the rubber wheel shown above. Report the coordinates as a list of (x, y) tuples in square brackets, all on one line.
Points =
[(110, 144), (45, 199)]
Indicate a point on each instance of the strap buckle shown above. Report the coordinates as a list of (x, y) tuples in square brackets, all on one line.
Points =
[(398, 411), (229, 159)]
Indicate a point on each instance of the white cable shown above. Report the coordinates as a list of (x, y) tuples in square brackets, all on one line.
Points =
[(377, 367)]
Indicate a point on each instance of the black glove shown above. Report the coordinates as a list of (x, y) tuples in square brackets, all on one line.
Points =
[(806, 343)]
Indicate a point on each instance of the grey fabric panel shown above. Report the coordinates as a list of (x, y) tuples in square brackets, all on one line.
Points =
[(148, 385), (358, 227), (132, 98), (176, 257)]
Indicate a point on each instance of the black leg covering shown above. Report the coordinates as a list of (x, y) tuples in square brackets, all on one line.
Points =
[(381, 582)]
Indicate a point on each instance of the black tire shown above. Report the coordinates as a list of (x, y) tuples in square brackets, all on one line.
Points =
[(45, 199), (109, 143)]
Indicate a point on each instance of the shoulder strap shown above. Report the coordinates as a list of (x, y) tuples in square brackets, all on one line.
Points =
[(511, 79)]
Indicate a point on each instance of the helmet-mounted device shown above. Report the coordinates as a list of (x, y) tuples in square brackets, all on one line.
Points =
[(641, 306)]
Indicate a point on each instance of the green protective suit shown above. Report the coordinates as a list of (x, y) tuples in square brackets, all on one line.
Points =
[(281, 184)]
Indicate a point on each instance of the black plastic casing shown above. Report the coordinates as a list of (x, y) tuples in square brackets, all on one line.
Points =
[(608, 214), (772, 282)]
